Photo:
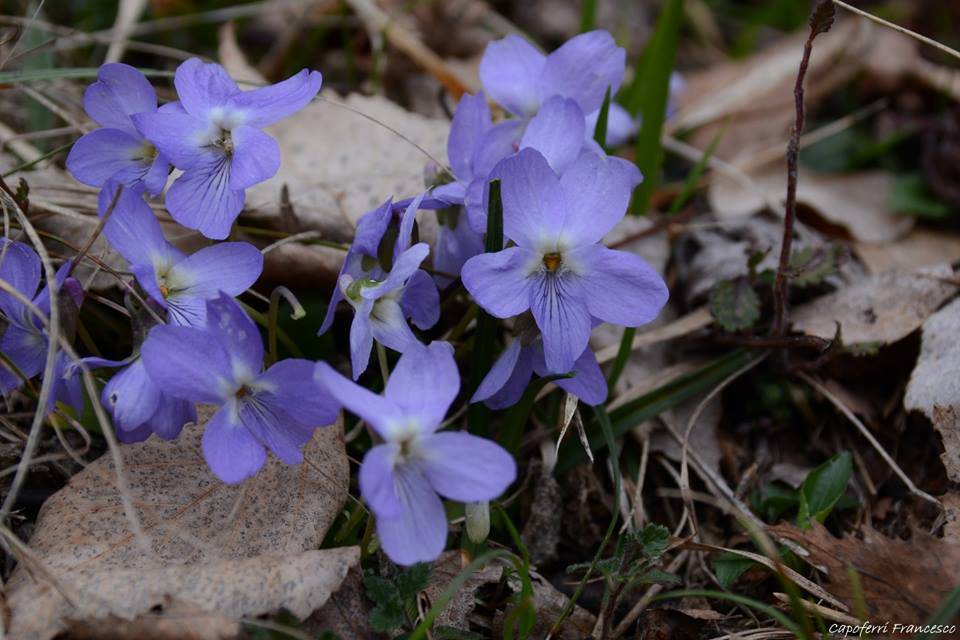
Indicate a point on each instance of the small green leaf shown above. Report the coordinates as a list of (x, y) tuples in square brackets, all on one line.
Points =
[(656, 576), (810, 266), (910, 195), (653, 539), (734, 304), (823, 487), (600, 131), (728, 568), (412, 580), (774, 500), (388, 614)]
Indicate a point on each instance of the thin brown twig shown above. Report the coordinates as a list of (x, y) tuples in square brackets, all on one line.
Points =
[(820, 21)]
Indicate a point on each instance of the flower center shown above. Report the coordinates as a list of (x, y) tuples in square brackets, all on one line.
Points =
[(242, 392), (354, 288), (165, 291), (552, 262), (225, 142)]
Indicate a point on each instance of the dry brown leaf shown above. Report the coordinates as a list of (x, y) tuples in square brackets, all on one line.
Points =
[(903, 581), (549, 604), (346, 613), (360, 151), (445, 569), (179, 619), (867, 217), (919, 248), (199, 530), (753, 98), (934, 385), (877, 309)]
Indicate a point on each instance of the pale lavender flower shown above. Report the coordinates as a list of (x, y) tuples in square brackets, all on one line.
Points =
[(504, 385), (521, 79), (384, 296), (276, 409), (558, 270), (25, 339), (179, 283), (117, 151), (401, 478), (214, 134)]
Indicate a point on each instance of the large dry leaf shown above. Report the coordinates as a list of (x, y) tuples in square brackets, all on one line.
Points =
[(878, 309), (753, 98), (344, 157), (199, 532), (934, 385), (902, 581), (919, 248), (853, 206)]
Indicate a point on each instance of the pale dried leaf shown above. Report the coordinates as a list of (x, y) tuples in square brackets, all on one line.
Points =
[(866, 217), (350, 162), (878, 309), (919, 248), (934, 386), (549, 603), (178, 619), (194, 523), (445, 569)]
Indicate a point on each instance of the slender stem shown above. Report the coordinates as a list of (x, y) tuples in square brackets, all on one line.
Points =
[(820, 21), (384, 366)]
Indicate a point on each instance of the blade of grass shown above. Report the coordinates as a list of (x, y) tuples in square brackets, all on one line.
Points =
[(38, 75), (609, 438), (516, 417), (655, 402), (647, 96), (588, 15), (478, 415), (452, 589), (690, 184), (600, 131), (737, 599)]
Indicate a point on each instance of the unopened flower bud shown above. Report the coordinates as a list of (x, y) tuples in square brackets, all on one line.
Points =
[(478, 521)]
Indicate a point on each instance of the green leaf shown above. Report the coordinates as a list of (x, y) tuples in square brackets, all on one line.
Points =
[(648, 95), (444, 632), (600, 131), (734, 304), (823, 487), (690, 183), (774, 500), (478, 415), (653, 540), (388, 614), (810, 266), (728, 568), (412, 580), (651, 404), (588, 15), (656, 576), (910, 195)]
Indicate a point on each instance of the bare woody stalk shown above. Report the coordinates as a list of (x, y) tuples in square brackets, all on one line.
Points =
[(820, 22)]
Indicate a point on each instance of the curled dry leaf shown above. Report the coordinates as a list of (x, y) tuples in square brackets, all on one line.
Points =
[(867, 218), (253, 543), (934, 386), (919, 248), (878, 309), (445, 569), (902, 581)]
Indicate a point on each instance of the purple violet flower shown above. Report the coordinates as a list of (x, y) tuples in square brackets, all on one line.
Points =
[(179, 283), (214, 134), (401, 478), (521, 79), (117, 151), (383, 299), (621, 126), (276, 409), (504, 385), (558, 268), (137, 406), (24, 341)]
